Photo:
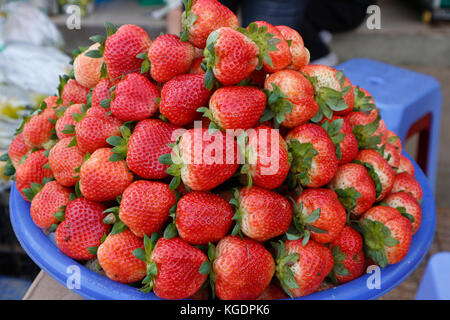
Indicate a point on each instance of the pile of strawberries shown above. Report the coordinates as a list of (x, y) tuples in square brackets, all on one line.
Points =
[(216, 164)]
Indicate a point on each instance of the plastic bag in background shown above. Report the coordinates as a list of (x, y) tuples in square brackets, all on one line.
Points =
[(22, 22)]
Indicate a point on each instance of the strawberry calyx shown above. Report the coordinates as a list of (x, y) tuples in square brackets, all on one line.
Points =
[(363, 102), (235, 201), (146, 63), (187, 20), (302, 155), (347, 197), (175, 163), (171, 229), (302, 225), (207, 113), (207, 267), (247, 153), (283, 270), (210, 59), (338, 268), (373, 174), (8, 169), (112, 217), (265, 41), (101, 40), (365, 134), (402, 211), (337, 137), (376, 238), (277, 106), (145, 255), (120, 144), (35, 188)]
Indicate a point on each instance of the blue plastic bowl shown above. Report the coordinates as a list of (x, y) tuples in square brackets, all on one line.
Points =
[(94, 286)]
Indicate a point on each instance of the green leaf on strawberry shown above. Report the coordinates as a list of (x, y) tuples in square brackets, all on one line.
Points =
[(339, 257), (365, 134), (337, 137), (283, 269), (348, 197), (363, 102), (373, 174), (302, 155), (277, 106)]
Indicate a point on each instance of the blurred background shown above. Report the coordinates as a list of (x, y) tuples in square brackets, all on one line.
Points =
[(37, 38)]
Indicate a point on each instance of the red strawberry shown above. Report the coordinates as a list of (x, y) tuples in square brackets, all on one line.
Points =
[(230, 57), (407, 183), (32, 170), (393, 139), (261, 214), (134, 98), (314, 159), (300, 54), (202, 160), (102, 179), (333, 90), (178, 269), (267, 160), (380, 171), (145, 206), (52, 101), (201, 17), (364, 104), (73, 93), (343, 138), (387, 235), (235, 107), (65, 126), (116, 258), (65, 161), (320, 214), (101, 92), (242, 269), (38, 132), (121, 49), (391, 155), (354, 187), (169, 57), (272, 292), (348, 255), (291, 100), (406, 166), (17, 149), (370, 134), (93, 130), (87, 70), (408, 206), (301, 268), (146, 144), (196, 66), (82, 229), (46, 203), (181, 97), (203, 217)]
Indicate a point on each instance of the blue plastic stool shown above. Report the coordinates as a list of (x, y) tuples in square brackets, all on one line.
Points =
[(409, 102), (13, 288), (435, 284)]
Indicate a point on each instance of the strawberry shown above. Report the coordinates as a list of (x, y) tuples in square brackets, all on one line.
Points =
[(290, 99), (32, 170), (272, 292), (39, 131), (301, 268), (354, 187), (145, 206), (343, 138), (101, 92), (407, 183), (65, 161), (169, 57), (134, 98), (278, 57), (177, 267), (79, 235), (121, 49), (300, 54), (115, 256), (94, 128), (364, 104), (261, 214), (87, 70), (394, 140), (406, 165), (196, 66), (348, 255), (369, 134), (314, 158), (73, 93), (408, 206), (391, 155), (102, 179), (203, 217), (17, 150), (235, 107), (65, 125), (47, 204), (202, 160), (387, 235), (333, 91), (181, 97), (319, 214), (52, 102), (230, 57), (242, 268), (267, 159), (380, 171), (201, 17)]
